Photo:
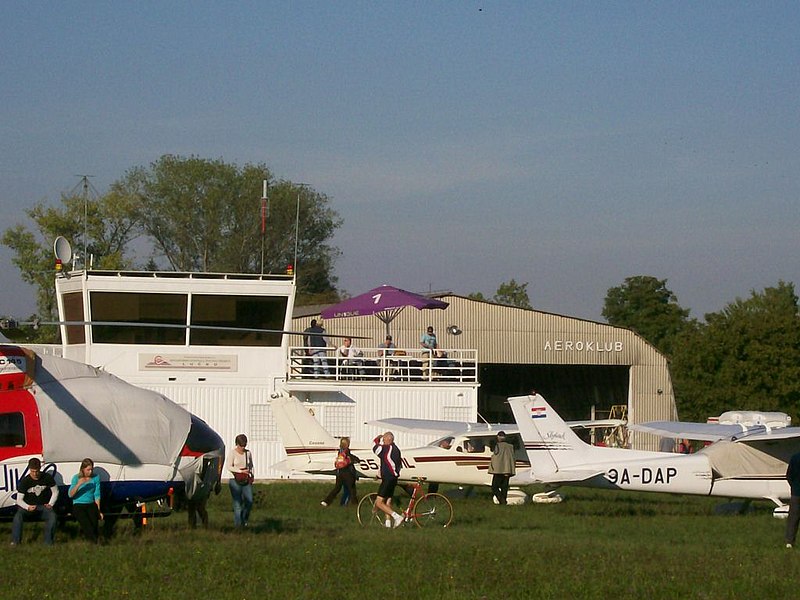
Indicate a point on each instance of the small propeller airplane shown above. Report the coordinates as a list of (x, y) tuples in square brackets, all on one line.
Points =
[(144, 446), (460, 456), (745, 462)]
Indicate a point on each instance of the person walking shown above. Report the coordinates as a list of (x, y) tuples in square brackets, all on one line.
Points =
[(502, 467), (793, 477), (37, 493), (391, 463), (240, 465), (345, 475)]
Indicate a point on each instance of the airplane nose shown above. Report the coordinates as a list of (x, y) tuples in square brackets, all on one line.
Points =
[(208, 450), (202, 439)]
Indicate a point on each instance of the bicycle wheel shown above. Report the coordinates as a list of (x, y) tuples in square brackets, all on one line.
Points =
[(433, 510), (368, 514)]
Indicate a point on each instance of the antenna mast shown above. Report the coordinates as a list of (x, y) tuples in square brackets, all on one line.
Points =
[(263, 221), (86, 186)]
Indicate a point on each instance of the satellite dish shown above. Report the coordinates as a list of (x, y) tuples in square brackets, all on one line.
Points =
[(62, 249)]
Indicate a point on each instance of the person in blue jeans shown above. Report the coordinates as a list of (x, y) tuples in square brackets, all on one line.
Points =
[(240, 465), (85, 493), (37, 492), (793, 477)]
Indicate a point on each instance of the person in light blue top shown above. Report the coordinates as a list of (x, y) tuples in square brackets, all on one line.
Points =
[(85, 493)]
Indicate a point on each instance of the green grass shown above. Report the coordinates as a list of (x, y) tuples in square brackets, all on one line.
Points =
[(594, 545)]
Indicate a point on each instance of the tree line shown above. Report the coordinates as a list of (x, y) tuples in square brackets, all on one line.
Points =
[(744, 357)]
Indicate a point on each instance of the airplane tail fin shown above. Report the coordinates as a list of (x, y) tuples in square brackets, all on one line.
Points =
[(305, 440), (551, 444)]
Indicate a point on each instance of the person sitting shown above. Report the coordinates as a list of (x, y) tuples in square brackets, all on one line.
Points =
[(387, 349), (37, 492), (350, 357)]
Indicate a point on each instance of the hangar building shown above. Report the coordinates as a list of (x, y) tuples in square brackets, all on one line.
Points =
[(583, 368)]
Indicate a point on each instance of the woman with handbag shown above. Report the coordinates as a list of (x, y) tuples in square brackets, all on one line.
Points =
[(240, 465), (345, 474)]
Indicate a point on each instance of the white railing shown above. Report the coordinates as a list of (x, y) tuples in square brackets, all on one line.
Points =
[(378, 365)]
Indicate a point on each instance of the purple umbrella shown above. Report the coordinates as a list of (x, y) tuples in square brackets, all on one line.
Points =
[(385, 302)]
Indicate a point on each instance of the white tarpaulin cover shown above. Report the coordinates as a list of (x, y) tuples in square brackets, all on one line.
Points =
[(86, 412), (737, 459)]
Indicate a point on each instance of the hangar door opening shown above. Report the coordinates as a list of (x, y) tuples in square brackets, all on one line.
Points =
[(571, 389)]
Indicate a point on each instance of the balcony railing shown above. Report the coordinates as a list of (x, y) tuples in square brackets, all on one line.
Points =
[(379, 365)]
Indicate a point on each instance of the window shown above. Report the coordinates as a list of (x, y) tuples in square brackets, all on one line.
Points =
[(124, 315), (73, 311), (211, 315), (12, 430)]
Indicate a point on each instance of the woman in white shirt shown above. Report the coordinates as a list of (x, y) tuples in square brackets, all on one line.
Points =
[(240, 465)]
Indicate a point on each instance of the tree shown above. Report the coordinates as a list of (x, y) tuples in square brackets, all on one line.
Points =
[(512, 293), (193, 214), (645, 305), (108, 226), (203, 215), (745, 357), (509, 293)]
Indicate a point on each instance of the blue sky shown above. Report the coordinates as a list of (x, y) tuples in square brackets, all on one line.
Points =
[(564, 144)]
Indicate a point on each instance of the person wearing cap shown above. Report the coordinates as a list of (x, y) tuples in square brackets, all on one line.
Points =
[(387, 349), (387, 346), (37, 492), (429, 342), (502, 467)]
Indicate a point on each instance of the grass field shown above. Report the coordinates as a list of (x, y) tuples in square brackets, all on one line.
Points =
[(593, 545)]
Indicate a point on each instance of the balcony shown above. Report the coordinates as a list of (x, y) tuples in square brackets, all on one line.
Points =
[(377, 366)]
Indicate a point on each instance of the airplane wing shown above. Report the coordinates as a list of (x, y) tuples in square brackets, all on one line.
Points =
[(433, 426), (441, 427), (597, 423), (782, 433), (710, 432)]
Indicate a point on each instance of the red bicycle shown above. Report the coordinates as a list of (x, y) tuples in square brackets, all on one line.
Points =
[(426, 510)]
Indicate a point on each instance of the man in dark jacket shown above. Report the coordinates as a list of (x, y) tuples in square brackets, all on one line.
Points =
[(37, 492), (793, 477)]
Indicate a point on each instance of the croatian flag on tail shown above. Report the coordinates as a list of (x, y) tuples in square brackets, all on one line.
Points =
[(538, 412)]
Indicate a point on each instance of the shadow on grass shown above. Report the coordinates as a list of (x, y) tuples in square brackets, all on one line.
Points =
[(267, 526)]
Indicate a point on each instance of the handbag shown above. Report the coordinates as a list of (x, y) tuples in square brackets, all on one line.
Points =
[(341, 461), (245, 478)]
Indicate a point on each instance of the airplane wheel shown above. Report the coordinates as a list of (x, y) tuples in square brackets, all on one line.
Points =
[(368, 514), (433, 510)]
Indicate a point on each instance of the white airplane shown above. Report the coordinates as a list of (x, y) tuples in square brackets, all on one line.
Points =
[(144, 446), (748, 464), (461, 456)]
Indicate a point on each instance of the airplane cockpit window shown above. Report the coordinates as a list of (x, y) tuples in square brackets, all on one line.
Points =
[(445, 443), (474, 445), (12, 430)]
